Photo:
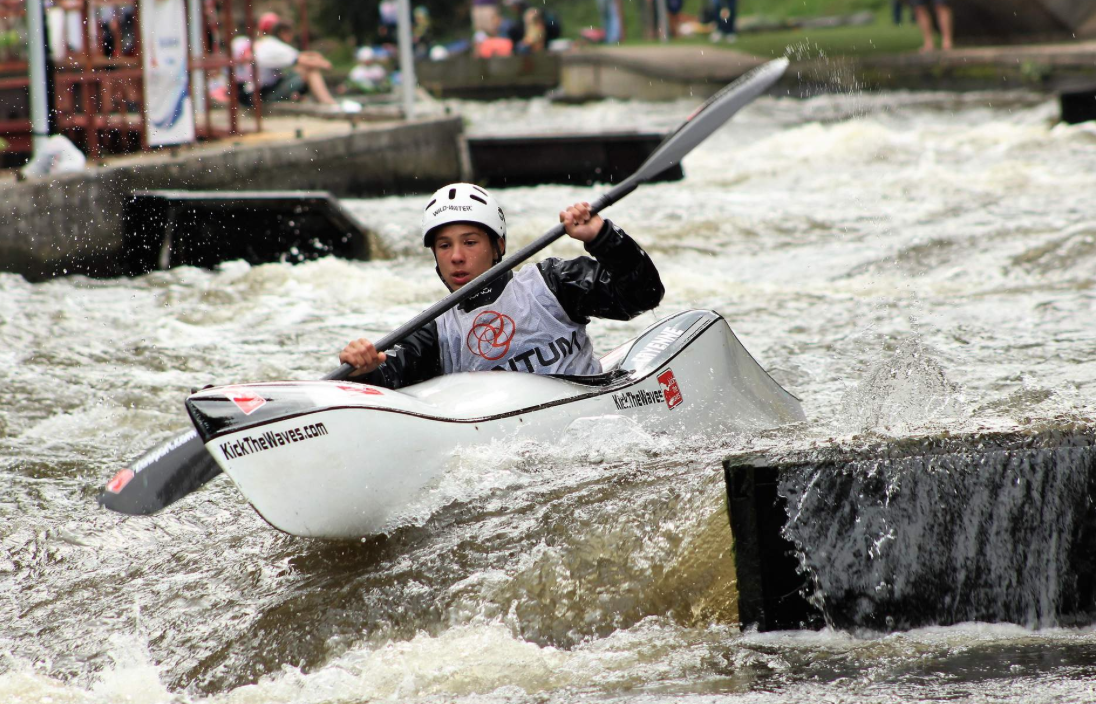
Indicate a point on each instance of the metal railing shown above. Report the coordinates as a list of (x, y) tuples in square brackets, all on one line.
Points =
[(97, 75)]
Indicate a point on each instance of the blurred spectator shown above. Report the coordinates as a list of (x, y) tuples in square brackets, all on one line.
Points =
[(535, 36), (488, 23), (653, 24), (212, 11), (673, 16), (611, 20), (389, 11), (369, 75), (118, 30), (924, 21), (285, 73), (897, 8), (514, 21), (725, 13), (421, 35), (65, 28), (240, 47), (117, 39), (489, 47), (485, 17)]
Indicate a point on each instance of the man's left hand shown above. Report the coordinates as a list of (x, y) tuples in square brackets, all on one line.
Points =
[(580, 223)]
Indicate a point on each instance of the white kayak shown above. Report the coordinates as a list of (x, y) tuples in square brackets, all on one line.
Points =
[(338, 459)]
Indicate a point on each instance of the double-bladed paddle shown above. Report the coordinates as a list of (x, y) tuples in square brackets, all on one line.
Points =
[(172, 470)]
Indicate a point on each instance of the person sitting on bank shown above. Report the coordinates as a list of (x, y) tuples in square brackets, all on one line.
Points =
[(369, 75), (286, 73), (942, 9), (531, 321)]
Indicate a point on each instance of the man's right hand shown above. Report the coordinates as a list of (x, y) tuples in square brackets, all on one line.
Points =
[(363, 356)]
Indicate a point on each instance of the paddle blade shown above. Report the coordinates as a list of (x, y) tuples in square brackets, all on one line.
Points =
[(709, 117), (162, 476)]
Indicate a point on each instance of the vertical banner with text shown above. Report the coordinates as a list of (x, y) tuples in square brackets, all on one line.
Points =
[(169, 112)]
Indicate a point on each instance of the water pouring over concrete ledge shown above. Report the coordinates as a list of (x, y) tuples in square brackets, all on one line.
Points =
[(164, 229), (995, 527)]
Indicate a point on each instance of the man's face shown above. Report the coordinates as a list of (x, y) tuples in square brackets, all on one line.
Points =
[(463, 252)]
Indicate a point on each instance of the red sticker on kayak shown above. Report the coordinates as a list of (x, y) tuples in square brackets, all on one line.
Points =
[(245, 400), (670, 391), (367, 390), (120, 480)]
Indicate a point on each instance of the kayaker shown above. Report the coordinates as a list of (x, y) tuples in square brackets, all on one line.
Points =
[(531, 321)]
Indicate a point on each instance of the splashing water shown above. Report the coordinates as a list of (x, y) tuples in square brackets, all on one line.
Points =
[(908, 265)]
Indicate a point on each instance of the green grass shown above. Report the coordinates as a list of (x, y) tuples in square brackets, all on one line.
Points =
[(805, 8), (881, 37), (579, 14)]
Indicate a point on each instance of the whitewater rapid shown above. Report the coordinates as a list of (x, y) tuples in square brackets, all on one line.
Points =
[(908, 265)]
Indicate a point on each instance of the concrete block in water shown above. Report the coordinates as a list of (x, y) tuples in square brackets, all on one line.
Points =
[(771, 592), (1078, 103), (997, 527), (522, 160), (164, 229)]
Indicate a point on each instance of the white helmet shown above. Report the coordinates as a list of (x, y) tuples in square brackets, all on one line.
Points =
[(462, 202)]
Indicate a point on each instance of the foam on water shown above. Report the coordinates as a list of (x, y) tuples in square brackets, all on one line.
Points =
[(131, 678)]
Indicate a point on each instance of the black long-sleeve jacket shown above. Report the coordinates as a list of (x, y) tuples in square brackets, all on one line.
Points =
[(619, 283)]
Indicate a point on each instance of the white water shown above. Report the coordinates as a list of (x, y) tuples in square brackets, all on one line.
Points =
[(907, 265)]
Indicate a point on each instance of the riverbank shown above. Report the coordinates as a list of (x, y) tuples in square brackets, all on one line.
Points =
[(668, 71)]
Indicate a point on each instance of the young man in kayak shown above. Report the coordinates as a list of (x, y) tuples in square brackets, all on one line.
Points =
[(531, 321)]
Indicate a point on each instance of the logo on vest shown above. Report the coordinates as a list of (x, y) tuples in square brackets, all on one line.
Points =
[(490, 335), (557, 349)]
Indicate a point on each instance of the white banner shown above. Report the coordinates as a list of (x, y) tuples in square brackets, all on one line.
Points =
[(169, 112)]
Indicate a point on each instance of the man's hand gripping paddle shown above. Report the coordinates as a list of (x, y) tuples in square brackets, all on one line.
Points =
[(172, 470)]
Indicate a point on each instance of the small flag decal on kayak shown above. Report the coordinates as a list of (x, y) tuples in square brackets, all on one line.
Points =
[(670, 391), (245, 400), (120, 480), (367, 390)]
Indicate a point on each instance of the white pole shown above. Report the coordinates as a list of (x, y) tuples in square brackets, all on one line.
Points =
[(197, 76), (407, 60), (663, 21), (39, 103)]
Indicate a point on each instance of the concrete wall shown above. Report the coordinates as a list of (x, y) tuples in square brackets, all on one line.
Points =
[(668, 73), (73, 223), (1006, 19), (489, 79)]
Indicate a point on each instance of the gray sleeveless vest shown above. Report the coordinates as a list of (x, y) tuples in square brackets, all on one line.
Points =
[(524, 330)]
